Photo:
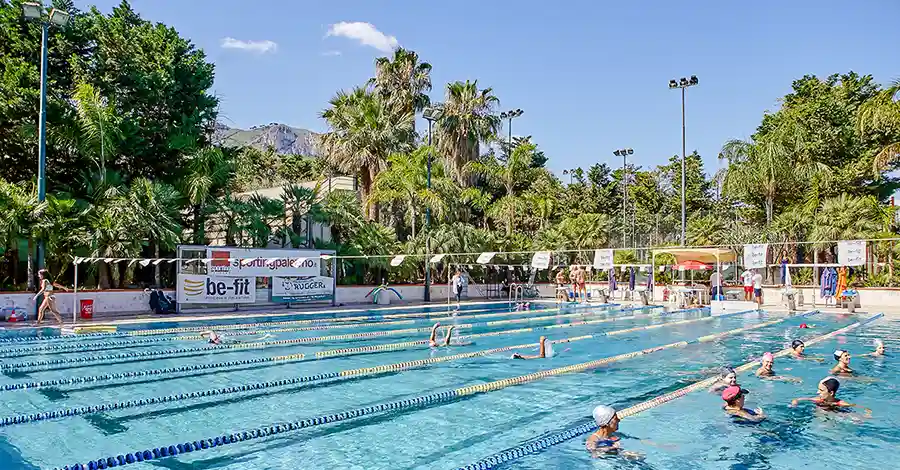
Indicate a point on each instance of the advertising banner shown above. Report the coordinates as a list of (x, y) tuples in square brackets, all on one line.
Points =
[(485, 257), (541, 260), (292, 289), (603, 259), (755, 256), (263, 263), (852, 253), (201, 289)]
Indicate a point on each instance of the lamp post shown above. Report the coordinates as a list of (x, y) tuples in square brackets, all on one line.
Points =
[(510, 115), (683, 83), (624, 153), (35, 12), (430, 114)]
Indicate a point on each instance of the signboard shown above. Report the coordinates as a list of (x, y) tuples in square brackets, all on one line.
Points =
[(852, 253), (603, 259), (485, 257), (201, 289), (301, 288), (541, 260), (263, 263), (755, 256), (398, 260)]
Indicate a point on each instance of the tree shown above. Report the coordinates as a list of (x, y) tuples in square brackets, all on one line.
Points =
[(468, 121), (363, 134), (880, 115), (402, 83), (506, 174), (303, 205), (208, 172), (155, 208), (19, 212), (100, 134)]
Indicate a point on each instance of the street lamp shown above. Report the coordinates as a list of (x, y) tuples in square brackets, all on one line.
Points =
[(35, 12), (430, 114), (510, 115), (624, 153), (683, 83)]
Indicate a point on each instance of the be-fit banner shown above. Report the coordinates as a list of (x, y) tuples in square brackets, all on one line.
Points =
[(852, 253), (755, 256), (603, 259), (301, 288), (200, 289), (541, 260), (263, 263)]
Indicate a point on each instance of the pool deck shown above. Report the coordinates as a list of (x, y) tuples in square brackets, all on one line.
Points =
[(127, 318)]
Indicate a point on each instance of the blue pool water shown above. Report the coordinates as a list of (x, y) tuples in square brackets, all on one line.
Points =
[(691, 432)]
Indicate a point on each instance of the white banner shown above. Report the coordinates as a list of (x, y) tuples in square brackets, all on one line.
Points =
[(200, 289), (485, 258), (603, 259), (398, 260), (301, 288), (227, 261), (852, 253), (755, 256), (541, 260)]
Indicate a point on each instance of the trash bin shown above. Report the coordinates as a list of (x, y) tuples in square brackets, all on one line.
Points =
[(86, 307)]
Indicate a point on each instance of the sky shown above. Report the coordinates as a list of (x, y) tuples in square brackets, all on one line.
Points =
[(591, 76)]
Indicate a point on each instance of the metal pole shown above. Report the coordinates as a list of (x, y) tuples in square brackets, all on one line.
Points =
[(624, 198), (427, 296), (683, 158), (334, 279), (42, 135), (75, 296)]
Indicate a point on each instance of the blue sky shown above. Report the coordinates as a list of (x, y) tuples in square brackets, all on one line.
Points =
[(591, 76)]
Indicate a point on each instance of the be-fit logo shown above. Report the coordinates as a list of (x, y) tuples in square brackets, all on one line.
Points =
[(217, 289), (238, 287)]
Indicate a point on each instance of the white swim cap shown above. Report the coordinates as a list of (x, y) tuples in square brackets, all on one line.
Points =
[(878, 342), (548, 349), (603, 414)]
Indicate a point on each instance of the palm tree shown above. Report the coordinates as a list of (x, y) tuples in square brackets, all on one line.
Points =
[(303, 204), (468, 121), (706, 230), (156, 207), (847, 218), (363, 134), (341, 210), (506, 174), (99, 123), (232, 214), (208, 171), (882, 113), (19, 214), (263, 216), (402, 82)]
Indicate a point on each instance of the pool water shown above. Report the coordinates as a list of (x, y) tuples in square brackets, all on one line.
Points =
[(691, 432)]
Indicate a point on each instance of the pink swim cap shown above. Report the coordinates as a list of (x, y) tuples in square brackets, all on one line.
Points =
[(768, 357)]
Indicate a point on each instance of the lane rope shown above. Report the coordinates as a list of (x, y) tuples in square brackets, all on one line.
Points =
[(417, 402), (546, 442)]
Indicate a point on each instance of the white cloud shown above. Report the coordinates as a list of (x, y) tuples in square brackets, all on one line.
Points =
[(259, 47), (331, 53), (366, 33)]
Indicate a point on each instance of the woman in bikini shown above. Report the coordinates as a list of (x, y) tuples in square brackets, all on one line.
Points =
[(49, 302)]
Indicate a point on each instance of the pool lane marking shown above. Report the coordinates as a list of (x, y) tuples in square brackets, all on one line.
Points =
[(543, 443), (211, 348), (434, 398), (328, 353), (108, 345)]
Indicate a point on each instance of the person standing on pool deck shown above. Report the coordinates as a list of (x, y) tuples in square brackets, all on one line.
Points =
[(581, 288), (715, 283), (827, 398), (432, 340), (561, 294), (747, 279), (843, 363), (49, 302), (757, 288), (734, 405), (458, 286)]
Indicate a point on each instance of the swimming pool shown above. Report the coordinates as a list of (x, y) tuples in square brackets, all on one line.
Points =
[(362, 391)]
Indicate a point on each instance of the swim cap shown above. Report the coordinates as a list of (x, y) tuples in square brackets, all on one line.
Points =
[(733, 392), (803, 325), (727, 370), (796, 343), (831, 384), (878, 343), (768, 357), (838, 353), (603, 414)]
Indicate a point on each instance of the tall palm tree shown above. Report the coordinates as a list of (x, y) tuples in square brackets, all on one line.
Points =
[(402, 82), (208, 171), (303, 204), (262, 219), (363, 134), (848, 218), (468, 121), (882, 113), (506, 174), (99, 123), (19, 214), (706, 230), (156, 206)]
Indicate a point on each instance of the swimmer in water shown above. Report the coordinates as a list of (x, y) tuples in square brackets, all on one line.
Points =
[(602, 442), (843, 365), (797, 347), (734, 397), (767, 371), (432, 340), (879, 349), (728, 378), (827, 397), (541, 354), (215, 338)]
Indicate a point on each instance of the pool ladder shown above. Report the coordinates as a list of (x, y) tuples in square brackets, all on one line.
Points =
[(516, 293)]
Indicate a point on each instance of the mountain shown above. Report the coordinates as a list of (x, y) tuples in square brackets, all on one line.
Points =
[(285, 139)]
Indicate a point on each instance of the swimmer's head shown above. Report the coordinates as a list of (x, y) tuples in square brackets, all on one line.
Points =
[(804, 325), (768, 358), (729, 376), (879, 346), (828, 387), (606, 417), (798, 346), (841, 356), (734, 395)]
